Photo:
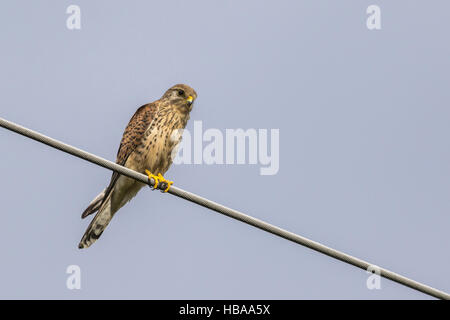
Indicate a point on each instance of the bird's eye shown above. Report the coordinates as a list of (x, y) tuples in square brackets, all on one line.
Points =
[(181, 92)]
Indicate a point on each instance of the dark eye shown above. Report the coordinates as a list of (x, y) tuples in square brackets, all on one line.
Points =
[(181, 92)]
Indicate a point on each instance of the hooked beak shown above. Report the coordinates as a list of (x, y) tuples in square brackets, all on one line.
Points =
[(190, 99)]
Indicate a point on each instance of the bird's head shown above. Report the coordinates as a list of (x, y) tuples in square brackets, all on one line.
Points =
[(180, 96)]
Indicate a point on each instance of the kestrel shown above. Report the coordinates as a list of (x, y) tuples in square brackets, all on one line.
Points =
[(147, 146)]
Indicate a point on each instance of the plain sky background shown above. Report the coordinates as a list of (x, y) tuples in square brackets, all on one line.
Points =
[(364, 146)]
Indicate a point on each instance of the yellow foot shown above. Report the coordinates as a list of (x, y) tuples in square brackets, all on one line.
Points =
[(168, 182), (159, 179), (152, 176)]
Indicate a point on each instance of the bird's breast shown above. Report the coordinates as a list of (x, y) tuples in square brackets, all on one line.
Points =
[(160, 143)]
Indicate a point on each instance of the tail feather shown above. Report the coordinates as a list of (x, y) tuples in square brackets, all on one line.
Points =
[(108, 203), (97, 225), (94, 205)]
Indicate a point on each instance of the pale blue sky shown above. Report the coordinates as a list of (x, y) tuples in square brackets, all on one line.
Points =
[(364, 152)]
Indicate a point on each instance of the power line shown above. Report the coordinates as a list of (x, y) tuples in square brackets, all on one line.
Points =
[(226, 211)]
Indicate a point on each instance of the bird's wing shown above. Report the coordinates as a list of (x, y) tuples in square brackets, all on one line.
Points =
[(135, 130), (131, 138)]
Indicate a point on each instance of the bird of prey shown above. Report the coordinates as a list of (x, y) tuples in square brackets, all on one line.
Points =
[(147, 146)]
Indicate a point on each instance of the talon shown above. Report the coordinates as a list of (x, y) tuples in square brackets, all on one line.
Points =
[(152, 176), (162, 179), (169, 183)]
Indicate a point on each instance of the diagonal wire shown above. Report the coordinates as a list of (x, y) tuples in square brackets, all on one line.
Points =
[(227, 211)]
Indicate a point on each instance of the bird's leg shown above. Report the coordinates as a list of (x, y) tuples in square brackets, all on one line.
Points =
[(164, 180), (152, 176)]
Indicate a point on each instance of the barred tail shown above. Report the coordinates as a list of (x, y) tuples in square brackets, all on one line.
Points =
[(97, 225), (94, 205)]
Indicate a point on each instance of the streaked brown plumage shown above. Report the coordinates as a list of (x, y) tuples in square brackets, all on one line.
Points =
[(147, 143)]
